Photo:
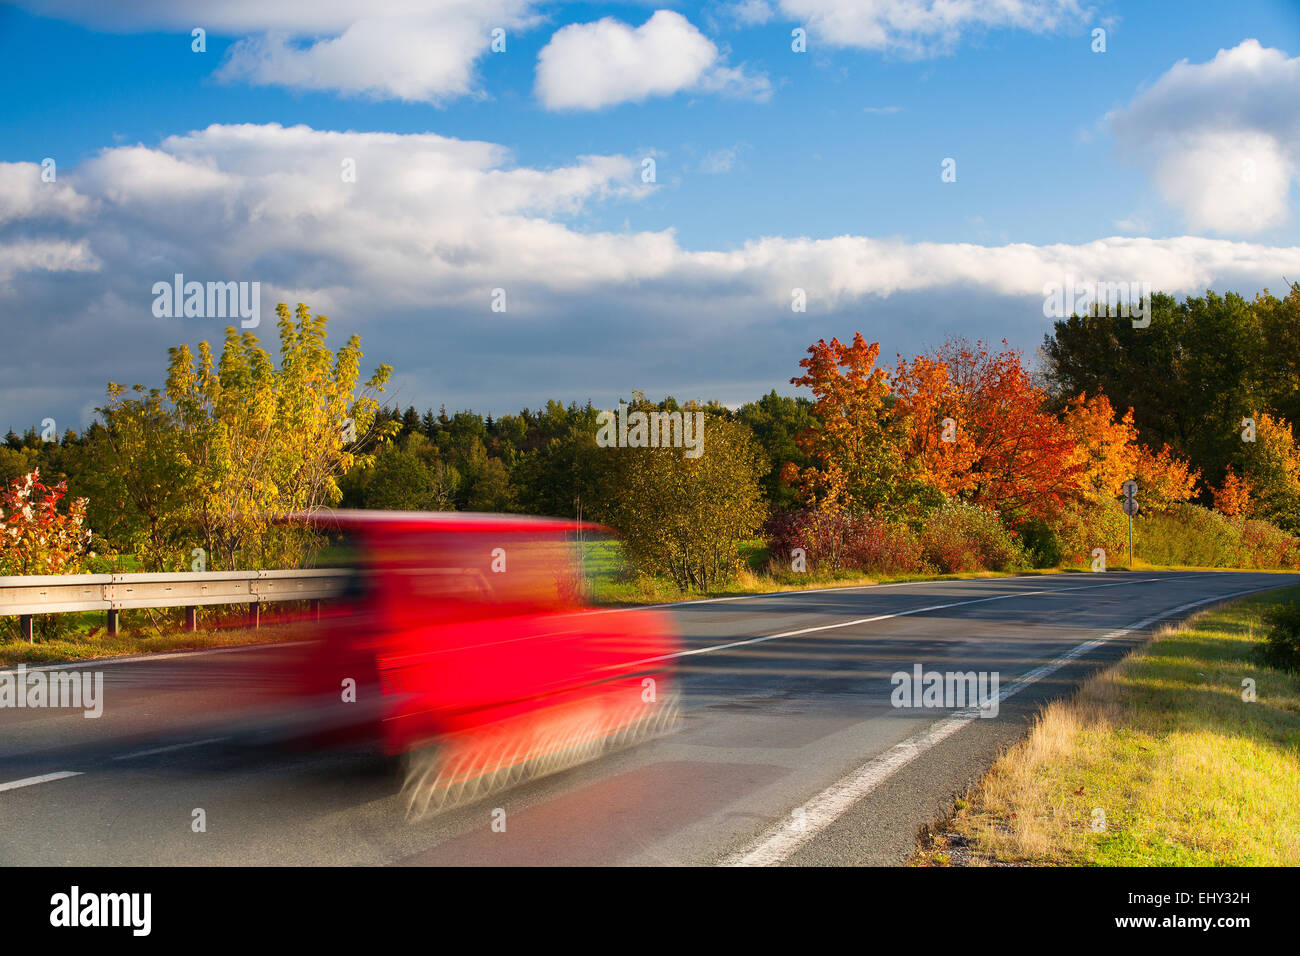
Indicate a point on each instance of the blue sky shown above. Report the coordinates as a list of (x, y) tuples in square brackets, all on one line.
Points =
[(774, 169)]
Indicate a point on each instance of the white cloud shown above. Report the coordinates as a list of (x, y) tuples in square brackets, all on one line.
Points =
[(24, 194), (1222, 139), (751, 12), (408, 255), (423, 50), (37, 255), (719, 160), (586, 66), (923, 27)]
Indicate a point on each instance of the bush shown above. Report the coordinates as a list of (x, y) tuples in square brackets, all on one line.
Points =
[(1042, 543), (836, 541), (1098, 521), (960, 537), (1192, 535), (1281, 647), (688, 517)]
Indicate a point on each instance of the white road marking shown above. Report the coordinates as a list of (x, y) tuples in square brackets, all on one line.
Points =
[(43, 778), (782, 841), (163, 750), (92, 663), (1183, 575), (878, 617)]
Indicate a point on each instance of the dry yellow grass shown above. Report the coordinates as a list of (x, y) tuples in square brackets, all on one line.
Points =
[(1156, 761)]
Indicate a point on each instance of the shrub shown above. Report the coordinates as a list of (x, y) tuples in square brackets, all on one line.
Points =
[(879, 545), (1281, 647), (962, 537), (1041, 542), (1097, 521), (1197, 536), (836, 541), (35, 536)]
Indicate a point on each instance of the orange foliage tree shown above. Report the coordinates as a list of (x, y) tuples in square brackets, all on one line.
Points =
[(1012, 456), (1232, 498), (1163, 478), (1105, 448), (854, 446)]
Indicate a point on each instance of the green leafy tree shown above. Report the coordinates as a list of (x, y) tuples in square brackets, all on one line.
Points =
[(777, 421), (686, 517), (231, 444)]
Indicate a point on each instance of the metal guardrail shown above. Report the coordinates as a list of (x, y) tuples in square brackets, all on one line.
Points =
[(26, 595)]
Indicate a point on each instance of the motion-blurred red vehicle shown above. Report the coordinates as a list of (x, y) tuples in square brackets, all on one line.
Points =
[(469, 638)]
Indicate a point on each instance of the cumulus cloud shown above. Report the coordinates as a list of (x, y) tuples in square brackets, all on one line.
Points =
[(586, 66), (719, 160), (423, 50), (751, 12), (924, 27), (25, 192), (410, 252), (1222, 138)]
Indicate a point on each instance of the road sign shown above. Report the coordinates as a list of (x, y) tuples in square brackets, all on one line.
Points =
[(1130, 489)]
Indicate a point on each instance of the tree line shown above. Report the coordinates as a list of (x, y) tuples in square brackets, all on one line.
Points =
[(1197, 407)]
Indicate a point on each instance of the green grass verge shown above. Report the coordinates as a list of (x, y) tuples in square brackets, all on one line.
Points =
[(91, 643), (1157, 761)]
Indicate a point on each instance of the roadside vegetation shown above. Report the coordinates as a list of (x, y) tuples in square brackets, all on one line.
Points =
[(1186, 753), (964, 460)]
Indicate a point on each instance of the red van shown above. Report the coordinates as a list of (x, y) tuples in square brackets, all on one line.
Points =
[(466, 641)]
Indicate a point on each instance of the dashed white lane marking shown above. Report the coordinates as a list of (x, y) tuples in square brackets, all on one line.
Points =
[(879, 617), (782, 841), (163, 750), (43, 778)]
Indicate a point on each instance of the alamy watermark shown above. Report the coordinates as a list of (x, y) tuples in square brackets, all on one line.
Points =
[(621, 429), (216, 300), (1130, 300), (133, 911), (952, 690), (78, 690)]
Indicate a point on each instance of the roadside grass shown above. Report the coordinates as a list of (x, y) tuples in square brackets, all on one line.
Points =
[(93, 642), (1161, 751), (611, 583)]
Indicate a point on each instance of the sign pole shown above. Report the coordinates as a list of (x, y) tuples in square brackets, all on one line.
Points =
[(1130, 508)]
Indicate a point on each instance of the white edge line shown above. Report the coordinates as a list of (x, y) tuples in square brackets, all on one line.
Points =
[(1049, 575), (43, 778), (91, 663), (878, 617), (163, 750), (809, 819)]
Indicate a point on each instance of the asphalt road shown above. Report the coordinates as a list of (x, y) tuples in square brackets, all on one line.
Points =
[(789, 750)]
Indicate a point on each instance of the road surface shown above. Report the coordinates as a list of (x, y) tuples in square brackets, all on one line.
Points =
[(789, 750)]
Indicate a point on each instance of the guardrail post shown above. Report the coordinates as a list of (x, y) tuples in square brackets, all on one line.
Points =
[(25, 628), (112, 622), (254, 615), (315, 610), (191, 618)]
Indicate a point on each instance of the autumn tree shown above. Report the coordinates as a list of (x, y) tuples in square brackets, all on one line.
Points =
[(1163, 479), (231, 444), (853, 444), (1271, 466), (1007, 452), (1232, 498)]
